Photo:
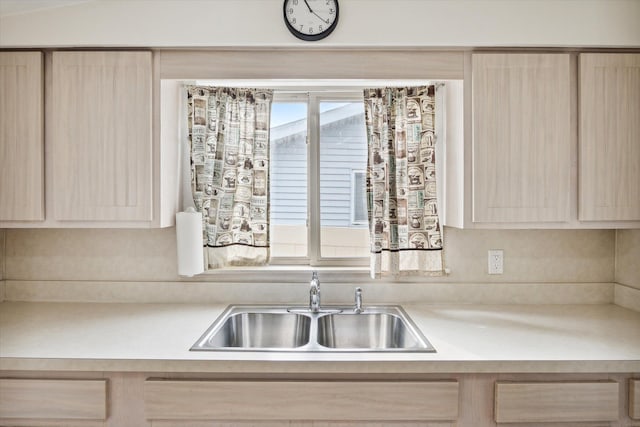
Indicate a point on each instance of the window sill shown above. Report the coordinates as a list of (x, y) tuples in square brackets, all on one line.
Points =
[(285, 274), (302, 274)]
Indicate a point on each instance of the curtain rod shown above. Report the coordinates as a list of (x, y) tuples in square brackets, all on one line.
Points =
[(438, 85), (314, 85)]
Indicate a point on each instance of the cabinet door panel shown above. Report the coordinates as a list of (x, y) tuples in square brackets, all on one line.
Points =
[(21, 133), (102, 153), (634, 399), (556, 402), (521, 137), (306, 400), (609, 137), (54, 399)]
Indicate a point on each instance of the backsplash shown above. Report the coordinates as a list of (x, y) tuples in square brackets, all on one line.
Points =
[(627, 270), (91, 254), (530, 256), (2, 234)]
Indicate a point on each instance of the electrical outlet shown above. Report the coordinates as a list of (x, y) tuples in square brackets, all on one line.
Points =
[(496, 263)]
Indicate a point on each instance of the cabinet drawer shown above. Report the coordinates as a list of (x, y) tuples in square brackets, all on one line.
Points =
[(300, 400), (56, 399), (556, 401), (634, 399)]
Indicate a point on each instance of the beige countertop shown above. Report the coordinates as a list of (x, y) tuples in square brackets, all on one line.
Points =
[(468, 338)]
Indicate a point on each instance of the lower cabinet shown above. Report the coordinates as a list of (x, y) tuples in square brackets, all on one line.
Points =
[(137, 399)]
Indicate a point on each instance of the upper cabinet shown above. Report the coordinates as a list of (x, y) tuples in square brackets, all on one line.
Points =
[(551, 140), (609, 147), (521, 138), (108, 162), (102, 136), (21, 136)]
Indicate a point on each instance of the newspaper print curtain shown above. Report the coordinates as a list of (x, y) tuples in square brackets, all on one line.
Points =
[(229, 138), (401, 182)]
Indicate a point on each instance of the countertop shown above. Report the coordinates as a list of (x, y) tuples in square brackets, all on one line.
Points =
[(468, 339)]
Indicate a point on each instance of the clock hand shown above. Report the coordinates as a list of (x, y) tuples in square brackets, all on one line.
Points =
[(321, 18), (311, 10), (305, 2)]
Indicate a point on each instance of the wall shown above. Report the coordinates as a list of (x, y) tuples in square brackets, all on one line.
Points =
[(178, 23), (2, 235), (546, 256), (534, 256), (627, 271)]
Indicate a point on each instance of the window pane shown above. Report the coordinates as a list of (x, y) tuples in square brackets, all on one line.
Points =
[(288, 171), (343, 159), (359, 206)]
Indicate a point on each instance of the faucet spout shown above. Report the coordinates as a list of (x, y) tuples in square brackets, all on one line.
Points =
[(314, 293), (358, 304)]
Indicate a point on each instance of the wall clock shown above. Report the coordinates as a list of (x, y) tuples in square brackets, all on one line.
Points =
[(311, 20)]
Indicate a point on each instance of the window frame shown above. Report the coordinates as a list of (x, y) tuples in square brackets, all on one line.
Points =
[(313, 98), (283, 270)]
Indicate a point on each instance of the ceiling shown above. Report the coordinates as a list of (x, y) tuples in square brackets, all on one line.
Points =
[(16, 7)]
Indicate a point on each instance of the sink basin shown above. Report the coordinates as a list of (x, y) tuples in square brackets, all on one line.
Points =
[(374, 331), (266, 329), (334, 329)]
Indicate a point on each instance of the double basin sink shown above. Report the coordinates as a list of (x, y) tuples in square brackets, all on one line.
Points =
[(298, 329)]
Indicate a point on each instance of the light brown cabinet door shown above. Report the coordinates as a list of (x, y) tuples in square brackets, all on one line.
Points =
[(21, 137), (521, 137), (101, 136), (609, 149)]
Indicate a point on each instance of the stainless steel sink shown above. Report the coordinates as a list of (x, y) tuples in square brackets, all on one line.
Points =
[(332, 329), (373, 331), (251, 328)]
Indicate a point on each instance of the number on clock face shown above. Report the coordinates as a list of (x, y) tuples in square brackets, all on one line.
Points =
[(311, 19)]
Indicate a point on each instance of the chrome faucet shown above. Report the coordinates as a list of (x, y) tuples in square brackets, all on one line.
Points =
[(314, 293), (358, 305)]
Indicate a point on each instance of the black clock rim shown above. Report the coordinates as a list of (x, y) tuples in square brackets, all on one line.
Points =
[(310, 37)]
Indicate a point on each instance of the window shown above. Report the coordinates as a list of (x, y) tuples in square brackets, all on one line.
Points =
[(318, 204), (318, 200)]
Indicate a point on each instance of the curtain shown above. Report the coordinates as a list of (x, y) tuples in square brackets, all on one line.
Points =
[(229, 142), (401, 182)]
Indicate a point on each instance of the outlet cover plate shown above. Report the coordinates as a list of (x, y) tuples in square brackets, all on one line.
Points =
[(496, 261)]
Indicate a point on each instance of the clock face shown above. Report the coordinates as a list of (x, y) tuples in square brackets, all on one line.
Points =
[(311, 20)]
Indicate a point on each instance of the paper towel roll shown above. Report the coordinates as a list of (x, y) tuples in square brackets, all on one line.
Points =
[(189, 235)]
